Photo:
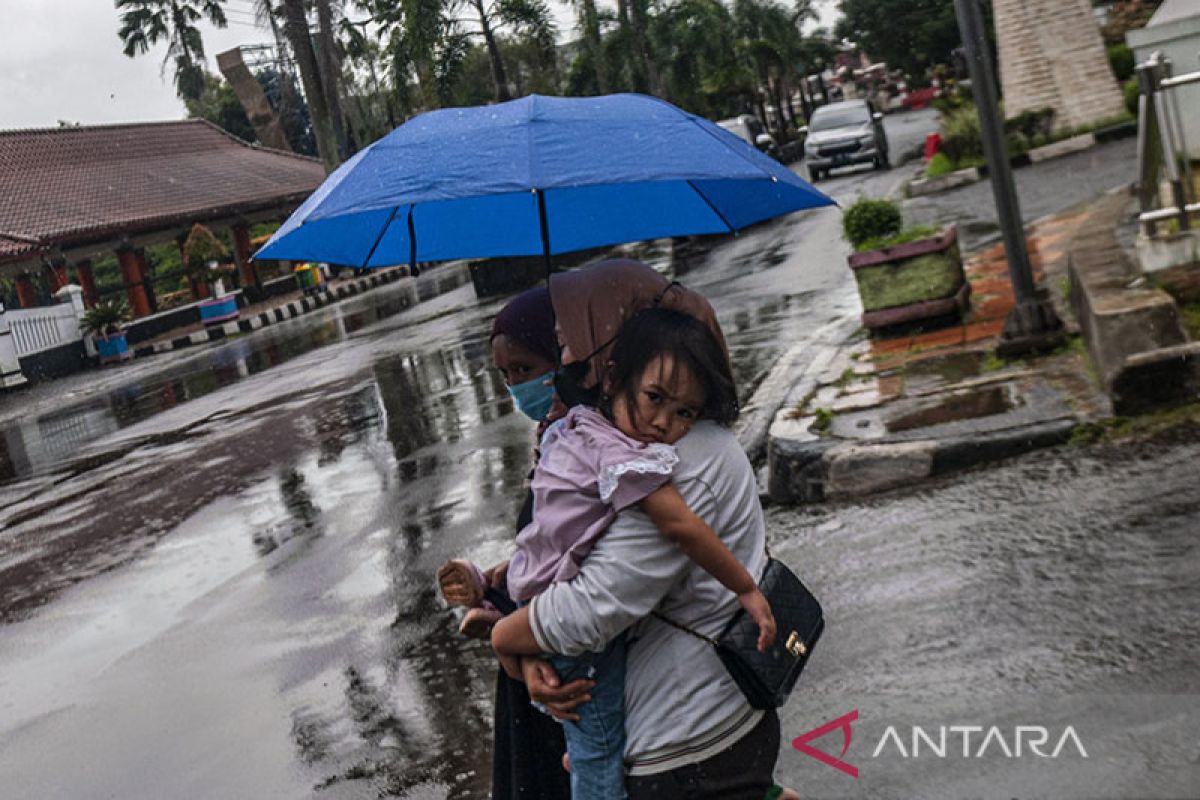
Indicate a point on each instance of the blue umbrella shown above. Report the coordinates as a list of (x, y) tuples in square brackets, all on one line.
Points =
[(538, 175)]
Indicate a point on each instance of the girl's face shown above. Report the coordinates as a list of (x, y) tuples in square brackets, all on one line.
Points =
[(664, 402), (517, 363)]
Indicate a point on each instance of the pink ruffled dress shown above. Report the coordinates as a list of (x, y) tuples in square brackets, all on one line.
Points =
[(588, 473)]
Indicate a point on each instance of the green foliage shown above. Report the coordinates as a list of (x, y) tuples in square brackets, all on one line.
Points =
[(913, 234), (216, 102), (1031, 123), (870, 219), (145, 23), (1120, 59), (961, 135), (202, 247), (105, 317), (823, 421), (908, 34), (939, 165), (1131, 92)]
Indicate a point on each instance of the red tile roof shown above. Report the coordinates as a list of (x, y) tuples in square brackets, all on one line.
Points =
[(63, 186)]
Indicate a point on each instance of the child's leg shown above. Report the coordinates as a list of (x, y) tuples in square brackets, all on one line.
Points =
[(596, 743)]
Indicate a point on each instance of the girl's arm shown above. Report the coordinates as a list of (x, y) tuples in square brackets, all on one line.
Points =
[(513, 636), (679, 524)]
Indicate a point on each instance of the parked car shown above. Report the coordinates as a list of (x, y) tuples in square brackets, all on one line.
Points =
[(749, 128), (841, 134)]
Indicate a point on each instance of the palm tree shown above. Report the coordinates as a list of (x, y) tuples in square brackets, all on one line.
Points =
[(589, 25), (145, 23), (296, 30), (702, 71), (530, 18)]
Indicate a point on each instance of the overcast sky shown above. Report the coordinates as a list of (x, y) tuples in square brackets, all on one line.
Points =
[(62, 60)]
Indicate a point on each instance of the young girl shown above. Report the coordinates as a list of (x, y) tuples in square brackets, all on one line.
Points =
[(666, 371)]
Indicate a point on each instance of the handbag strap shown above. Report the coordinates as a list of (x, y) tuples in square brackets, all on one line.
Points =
[(683, 628), (688, 630)]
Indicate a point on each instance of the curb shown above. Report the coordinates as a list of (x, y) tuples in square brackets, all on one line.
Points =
[(295, 308), (826, 469), (922, 187)]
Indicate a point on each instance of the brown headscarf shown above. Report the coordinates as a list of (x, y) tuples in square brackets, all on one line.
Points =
[(592, 304)]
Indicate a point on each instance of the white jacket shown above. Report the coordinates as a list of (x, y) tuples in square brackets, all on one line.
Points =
[(680, 704)]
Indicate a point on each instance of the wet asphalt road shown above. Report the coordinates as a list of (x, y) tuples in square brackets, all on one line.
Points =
[(216, 580)]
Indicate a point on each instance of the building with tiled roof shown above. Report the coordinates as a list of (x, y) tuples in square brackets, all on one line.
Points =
[(71, 194)]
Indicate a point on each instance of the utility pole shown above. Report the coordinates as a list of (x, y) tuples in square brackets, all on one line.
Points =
[(1032, 325)]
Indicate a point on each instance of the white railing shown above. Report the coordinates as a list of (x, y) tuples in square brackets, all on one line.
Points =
[(1161, 146), (37, 329)]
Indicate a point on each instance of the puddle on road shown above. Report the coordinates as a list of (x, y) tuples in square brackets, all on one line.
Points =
[(29, 446), (933, 373), (959, 406)]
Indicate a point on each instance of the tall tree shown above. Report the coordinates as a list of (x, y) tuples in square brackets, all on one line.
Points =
[(296, 29), (145, 23), (331, 71), (907, 34), (589, 25)]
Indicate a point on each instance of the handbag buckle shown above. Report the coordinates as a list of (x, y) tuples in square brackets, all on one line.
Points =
[(795, 645)]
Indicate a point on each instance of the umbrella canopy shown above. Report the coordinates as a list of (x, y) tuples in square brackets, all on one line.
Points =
[(538, 175)]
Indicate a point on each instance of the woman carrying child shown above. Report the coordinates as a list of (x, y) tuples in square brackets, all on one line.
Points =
[(591, 305)]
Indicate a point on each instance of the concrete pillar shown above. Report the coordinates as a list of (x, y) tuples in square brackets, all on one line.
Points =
[(87, 282), (1052, 56), (147, 280), (247, 274), (56, 276), (72, 295), (132, 274), (26, 292), (10, 367)]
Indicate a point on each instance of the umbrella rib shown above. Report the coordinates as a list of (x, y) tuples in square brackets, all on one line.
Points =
[(708, 202), (379, 238)]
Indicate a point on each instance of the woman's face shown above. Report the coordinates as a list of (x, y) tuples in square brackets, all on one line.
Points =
[(517, 363)]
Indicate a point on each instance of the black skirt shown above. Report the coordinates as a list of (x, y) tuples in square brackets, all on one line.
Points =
[(529, 745)]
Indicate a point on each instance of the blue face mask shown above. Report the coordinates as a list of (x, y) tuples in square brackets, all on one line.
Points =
[(534, 398)]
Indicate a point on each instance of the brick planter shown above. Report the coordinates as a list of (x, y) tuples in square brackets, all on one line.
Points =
[(911, 281)]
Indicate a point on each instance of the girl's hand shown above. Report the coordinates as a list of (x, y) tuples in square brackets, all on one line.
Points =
[(759, 609)]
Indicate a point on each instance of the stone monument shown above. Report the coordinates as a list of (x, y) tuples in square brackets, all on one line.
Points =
[(1052, 56)]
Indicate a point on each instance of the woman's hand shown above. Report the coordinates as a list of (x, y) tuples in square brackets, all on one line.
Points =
[(759, 609), (542, 682)]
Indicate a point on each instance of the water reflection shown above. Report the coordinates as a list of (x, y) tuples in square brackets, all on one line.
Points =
[(33, 446)]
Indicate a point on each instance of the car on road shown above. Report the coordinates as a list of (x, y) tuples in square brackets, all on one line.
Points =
[(841, 134), (749, 128)]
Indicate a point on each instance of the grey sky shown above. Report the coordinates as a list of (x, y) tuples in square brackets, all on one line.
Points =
[(62, 60)]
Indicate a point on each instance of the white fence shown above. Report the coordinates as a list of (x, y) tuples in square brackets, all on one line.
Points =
[(37, 329)]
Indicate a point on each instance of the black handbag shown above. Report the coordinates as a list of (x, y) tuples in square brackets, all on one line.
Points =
[(766, 679)]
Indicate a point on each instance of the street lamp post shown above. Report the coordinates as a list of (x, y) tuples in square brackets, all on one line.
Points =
[(1032, 325)]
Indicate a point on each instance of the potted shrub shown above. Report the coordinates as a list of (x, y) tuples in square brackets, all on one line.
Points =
[(205, 253), (104, 322), (903, 274)]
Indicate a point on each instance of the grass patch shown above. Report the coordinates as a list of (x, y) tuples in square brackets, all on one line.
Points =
[(823, 421), (1141, 426), (939, 165), (1189, 315), (913, 234)]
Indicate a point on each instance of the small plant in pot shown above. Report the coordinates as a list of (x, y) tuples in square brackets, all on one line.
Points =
[(205, 254), (105, 322), (903, 274)]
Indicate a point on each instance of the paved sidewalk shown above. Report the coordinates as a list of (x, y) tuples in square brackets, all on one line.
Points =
[(885, 412)]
